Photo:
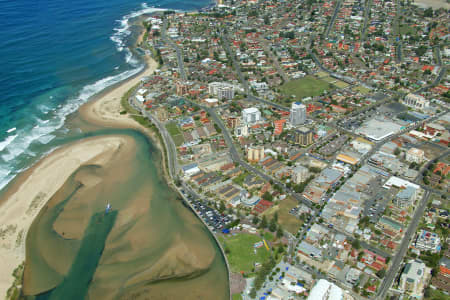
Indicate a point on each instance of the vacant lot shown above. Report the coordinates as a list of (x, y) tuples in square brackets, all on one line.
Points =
[(175, 133), (308, 86), (285, 219), (242, 254)]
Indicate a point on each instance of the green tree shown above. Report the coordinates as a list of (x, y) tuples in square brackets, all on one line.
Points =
[(267, 196), (356, 244), (263, 223), (279, 232)]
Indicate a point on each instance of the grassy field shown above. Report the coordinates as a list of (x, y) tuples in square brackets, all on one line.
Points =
[(406, 29), (175, 133), (363, 90), (236, 297), (308, 86), (285, 219), (338, 83), (242, 255)]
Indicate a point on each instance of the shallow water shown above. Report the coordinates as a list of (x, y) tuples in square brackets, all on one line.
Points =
[(157, 247)]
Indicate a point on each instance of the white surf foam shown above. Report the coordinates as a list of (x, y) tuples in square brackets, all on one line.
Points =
[(43, 131), (122, 31), (7, 142)]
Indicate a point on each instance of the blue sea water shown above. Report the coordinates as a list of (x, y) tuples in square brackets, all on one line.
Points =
[(54, 55)]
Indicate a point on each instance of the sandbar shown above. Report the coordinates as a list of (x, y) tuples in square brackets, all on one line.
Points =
[(33, 188)]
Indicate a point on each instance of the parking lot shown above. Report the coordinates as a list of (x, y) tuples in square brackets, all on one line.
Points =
[(215, 220)]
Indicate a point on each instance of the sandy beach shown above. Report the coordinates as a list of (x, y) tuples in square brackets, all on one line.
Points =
[(105, 109), (31, 191)]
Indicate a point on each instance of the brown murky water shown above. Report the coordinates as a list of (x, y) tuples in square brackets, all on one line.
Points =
[(156, 249)]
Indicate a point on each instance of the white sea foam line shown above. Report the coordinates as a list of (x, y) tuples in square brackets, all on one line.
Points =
[(7, 141), (123, 30), (19, 143)]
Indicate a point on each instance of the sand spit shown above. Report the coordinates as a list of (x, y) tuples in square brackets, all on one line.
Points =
[(31, 191)]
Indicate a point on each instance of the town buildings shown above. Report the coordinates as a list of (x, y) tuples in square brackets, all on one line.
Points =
[(304, 136), (299, 174), (415, 155), (255, 153), (415, 101), (298, 114), (413, 278), (251, 115)]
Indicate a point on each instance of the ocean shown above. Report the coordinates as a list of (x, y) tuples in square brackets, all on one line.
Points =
[(55, 55)]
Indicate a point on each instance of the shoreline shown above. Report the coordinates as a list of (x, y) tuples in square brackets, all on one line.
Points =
[(103, 109), (33, 189)]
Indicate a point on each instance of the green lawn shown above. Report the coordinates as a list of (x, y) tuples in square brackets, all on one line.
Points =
[(172, 128), (435, 294), (236, 297), (363, 90), (336, 82), (175, 133), (308, 86), (241, 256), (406, 29)]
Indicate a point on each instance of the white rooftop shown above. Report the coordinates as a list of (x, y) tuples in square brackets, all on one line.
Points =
[(250, 110), (325, 290), (398, 182)]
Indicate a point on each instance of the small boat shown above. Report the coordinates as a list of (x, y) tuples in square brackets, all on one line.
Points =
[(108, 208)]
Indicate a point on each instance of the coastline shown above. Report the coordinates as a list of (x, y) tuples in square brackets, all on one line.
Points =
[(33, 189)]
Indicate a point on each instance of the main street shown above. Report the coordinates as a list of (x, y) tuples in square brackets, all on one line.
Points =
[(169, 41), (333, 18), (367, 7), (398, 257)]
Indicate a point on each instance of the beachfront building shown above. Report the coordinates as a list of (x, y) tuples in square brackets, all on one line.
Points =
[(298, 114), (251, 115)]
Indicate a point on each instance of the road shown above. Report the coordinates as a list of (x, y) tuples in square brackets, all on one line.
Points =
[(366, 20), (333, 18), (236, 65), (441, 74), (167, 140), (169, 41), (398, 48), (398, 258)]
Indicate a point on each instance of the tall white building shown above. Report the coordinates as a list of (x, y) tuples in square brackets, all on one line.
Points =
[(222, 90), (251, 115), (298, 113)]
